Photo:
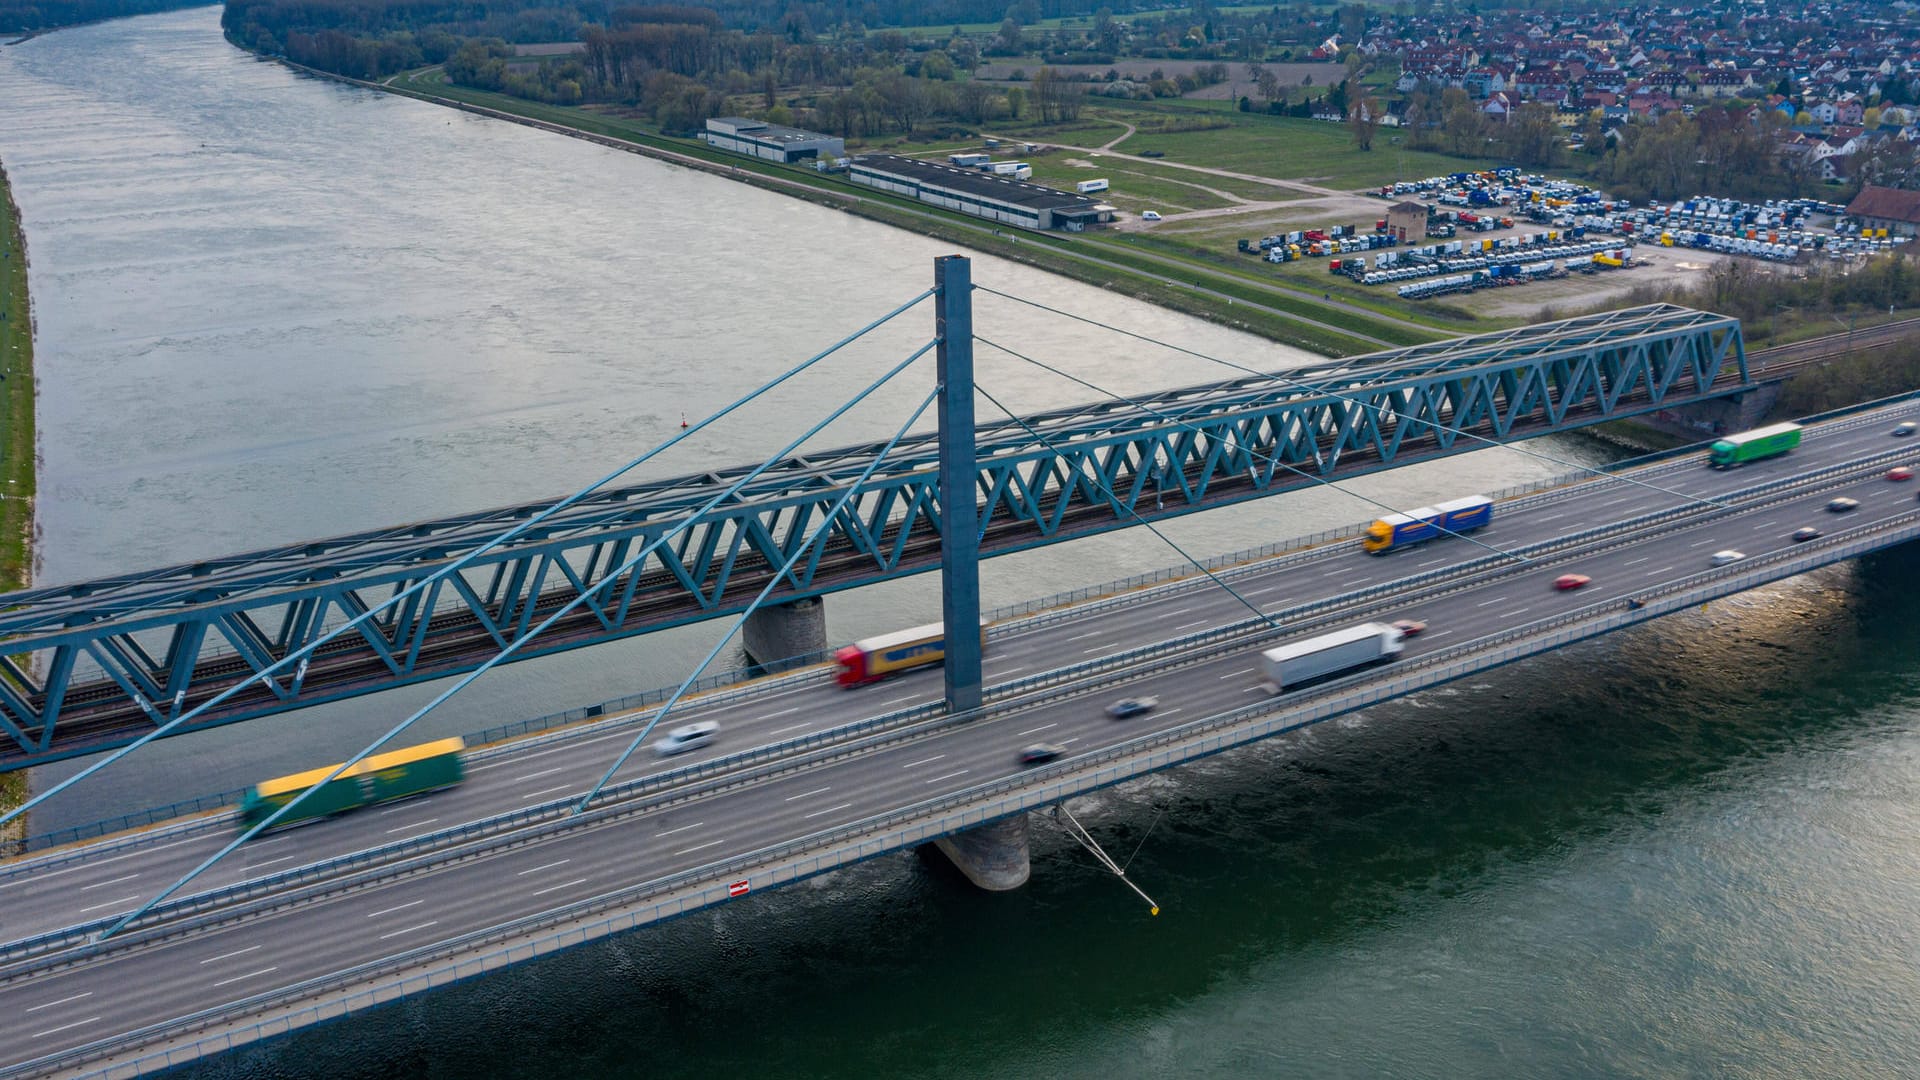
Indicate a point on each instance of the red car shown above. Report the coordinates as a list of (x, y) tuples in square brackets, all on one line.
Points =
[(1570, 581), (1409, 627), (1899, 472)]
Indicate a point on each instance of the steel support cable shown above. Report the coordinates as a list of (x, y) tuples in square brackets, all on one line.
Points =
[(786, 569), (1296, 384), (1197, 565), (514, 646), (1334, 484), (302, 653)]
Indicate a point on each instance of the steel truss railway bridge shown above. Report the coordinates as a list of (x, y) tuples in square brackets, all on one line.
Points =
[(130, 990), (96, 664)]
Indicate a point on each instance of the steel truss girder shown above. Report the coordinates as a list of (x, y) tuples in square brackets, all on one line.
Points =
[(157, 643)]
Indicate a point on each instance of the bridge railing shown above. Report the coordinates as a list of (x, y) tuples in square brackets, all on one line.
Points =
[(716, 882)]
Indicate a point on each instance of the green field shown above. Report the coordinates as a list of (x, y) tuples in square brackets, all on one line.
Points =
[(1311, 151), (16, 436)]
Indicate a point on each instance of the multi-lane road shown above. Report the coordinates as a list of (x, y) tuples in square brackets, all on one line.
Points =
[(91, 995)]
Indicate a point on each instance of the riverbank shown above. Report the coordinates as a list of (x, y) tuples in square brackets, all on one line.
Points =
[(16, 439)]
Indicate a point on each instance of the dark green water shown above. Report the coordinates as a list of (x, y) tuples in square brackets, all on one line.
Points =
[(1689, 850)]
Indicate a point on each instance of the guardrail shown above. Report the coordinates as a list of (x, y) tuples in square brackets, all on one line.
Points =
[(398, 858), (709, 885)]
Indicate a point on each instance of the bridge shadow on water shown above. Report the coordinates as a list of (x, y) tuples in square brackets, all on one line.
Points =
[(1502, 877)]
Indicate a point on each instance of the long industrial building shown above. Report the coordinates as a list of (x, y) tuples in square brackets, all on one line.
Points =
[(771, 142), (981, 194)]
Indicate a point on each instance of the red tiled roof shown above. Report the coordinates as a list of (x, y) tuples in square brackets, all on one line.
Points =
[(1893, 204)]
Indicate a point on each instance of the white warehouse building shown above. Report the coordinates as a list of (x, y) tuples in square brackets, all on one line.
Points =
[(771, 142), (981, 194)]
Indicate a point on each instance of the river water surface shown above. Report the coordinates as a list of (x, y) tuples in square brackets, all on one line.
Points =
[(271, 307)]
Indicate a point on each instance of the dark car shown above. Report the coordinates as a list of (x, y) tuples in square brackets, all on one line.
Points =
[(1041, 753), (1804, 534), (1842, 505), (1163, 153), (1132, 706), (1905, 428)]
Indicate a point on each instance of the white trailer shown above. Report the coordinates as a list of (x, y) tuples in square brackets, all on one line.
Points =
[(1088, 187), (1328, 654)]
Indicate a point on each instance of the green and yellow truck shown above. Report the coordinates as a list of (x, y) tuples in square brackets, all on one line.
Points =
[(1753, 445), (380, 778)]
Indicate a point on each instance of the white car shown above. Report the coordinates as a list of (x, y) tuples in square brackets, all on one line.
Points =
[(1722, 558), (690, 737)]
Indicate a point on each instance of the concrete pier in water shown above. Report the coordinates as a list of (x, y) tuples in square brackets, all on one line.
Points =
[(994, 856), (777, 633)]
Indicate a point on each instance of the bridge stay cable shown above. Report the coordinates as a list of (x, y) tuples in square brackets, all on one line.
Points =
[(786, 569), (1296, 384), (1257, 455), (301, 654), (1135, 514), (514, 646)]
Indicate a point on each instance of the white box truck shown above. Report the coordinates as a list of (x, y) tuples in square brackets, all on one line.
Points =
[(1088, 187), (1328, 654)]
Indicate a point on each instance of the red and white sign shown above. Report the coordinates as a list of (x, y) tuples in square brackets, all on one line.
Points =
[(738, 888)]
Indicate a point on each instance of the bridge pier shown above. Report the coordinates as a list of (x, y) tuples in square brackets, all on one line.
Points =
[(776, 633), (994, 856), (1719, 416)]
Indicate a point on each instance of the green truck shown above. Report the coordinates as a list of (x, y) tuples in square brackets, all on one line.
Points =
[(395, 774), (1753, 445)]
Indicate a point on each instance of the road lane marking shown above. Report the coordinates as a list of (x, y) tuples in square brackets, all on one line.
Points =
[(234, 953), (409, 930), (1235, 674), (895, 701), (110, 903), (1083, 637), (804, 794), (1641, 559), (64, 1000), (1555, 517), (782, 712), (1765, 524), (1511, 614), (557, 888), (1355, 581), (1431, 562), (828, 810), (103, 884), (254, 974), (64, 1027), (257, 863), (1175, 709), (682, 828), (524, 873), (541, 773), (1196, 622), (1657, 573), (1178, 610), (923, 761), (1342, 570), (790, 727), (544, 791), (413, 825), (1037, 730), (1490, 603), (948, 776), (1265, 591), (1702, 543), (699, 847), (1439, 633), (44, 875), (1101, 649), (1254, 690), (403, 907)]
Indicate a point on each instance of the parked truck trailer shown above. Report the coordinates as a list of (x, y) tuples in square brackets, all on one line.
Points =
[(1340, 651)]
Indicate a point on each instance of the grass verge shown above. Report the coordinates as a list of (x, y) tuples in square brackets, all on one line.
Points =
[(16, 439)]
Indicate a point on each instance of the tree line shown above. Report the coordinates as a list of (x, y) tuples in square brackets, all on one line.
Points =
[(27, 16)]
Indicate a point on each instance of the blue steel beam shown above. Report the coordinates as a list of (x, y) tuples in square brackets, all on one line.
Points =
[(125, 653)]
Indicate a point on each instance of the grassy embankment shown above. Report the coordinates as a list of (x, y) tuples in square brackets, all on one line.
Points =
[(1238, 292), (16, 436)]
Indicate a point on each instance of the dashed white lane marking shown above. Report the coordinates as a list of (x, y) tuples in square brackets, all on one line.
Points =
[(1268, 589), (537, 869), (1177, 611), (1083, 637), (790, 727), (1235, 674), (1254, 690), (948, 776), (922, 761), (781, 712), (1641, 559), (828, 810), (411, 825), (900, 700), (110, 903), (1765, 524), (1511, 614), (1554, 517), (64, 1000), (1355, 581), (255, 864), (1175, 709), (541, 773), (1196, 622), (544, 791), (255, 974), (557, 888), (805, 794), (1490, 603), (1440, 633), (1102, 649), (39, 876), (1431, 562), (64, 1027), (103, 884), (698, 847), (410, 929), (1037, 730), (228, 955), (1702, 543), (682, 828), (1657, 573)]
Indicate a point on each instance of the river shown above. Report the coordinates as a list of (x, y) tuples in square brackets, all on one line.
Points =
[(272, 307)]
